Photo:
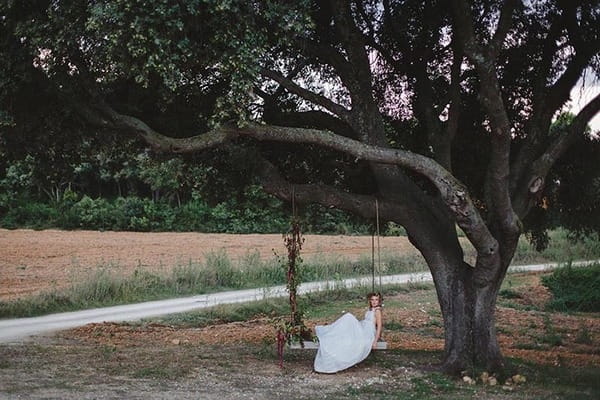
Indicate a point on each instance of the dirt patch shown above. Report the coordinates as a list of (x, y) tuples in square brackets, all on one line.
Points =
[(413, 321), (236, 360), (547, 338), (35, 261)]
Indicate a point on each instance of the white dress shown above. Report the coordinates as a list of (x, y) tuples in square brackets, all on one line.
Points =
[(345, 342)]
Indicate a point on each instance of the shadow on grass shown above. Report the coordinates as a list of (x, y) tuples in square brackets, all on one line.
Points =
[(560, 378)]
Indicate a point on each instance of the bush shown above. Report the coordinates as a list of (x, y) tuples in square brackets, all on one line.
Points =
[(31, 215), (131, 209), (574, 289), (253, 212), (192, 216), (94, 213), (317, 218)]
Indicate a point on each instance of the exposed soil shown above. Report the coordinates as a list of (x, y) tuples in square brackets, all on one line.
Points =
[(541, 337), (238, 360), (35, 261), (154, 360)]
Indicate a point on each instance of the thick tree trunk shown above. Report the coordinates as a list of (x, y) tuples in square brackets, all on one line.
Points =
[(453, 280), (469, 320), (467, 297), (458, 347), (486, 349), (468, 304)]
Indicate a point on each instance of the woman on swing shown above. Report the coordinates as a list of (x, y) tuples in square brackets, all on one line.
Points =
[(348, 341)]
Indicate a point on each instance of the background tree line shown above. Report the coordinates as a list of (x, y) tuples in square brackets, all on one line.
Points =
[(118, 185), (92, 182)]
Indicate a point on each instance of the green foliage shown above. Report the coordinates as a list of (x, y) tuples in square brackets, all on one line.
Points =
[(192, 216), (318, 218), (562, 247), (572, 190), (161, 176), (95, 214), (181, 76), (574, 288), (249, 211), (184, 66), (16, 182), (32, 215)]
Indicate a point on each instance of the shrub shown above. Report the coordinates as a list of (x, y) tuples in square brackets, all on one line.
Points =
[(95, 213), (31, 215), (192, 216), (130, 209), (574, 289)]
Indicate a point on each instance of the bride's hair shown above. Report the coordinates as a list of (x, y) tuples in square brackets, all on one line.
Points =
[(369, 295)]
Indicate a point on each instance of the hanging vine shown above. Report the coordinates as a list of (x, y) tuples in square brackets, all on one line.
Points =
[(292, 329), (293, 242)]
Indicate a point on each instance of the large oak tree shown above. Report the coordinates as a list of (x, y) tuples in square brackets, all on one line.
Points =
[(440, 110)]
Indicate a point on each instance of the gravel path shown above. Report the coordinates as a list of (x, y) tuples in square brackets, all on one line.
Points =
[(12, 330)]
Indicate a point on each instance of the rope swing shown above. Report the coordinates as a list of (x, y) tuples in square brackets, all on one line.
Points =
[(376, 234), (381, 344)]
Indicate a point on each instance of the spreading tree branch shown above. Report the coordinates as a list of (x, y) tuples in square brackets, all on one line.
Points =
[(533, 183), (497, 188), (295, 71), (576, 128), (539, 122), (547, 101), (359, 85), (327, 195), (504, 25), (326, 54), (455, 108), (311, 119), (452, 192), (306, 94)]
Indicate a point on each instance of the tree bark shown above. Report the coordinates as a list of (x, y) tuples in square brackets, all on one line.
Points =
[(458, 346), (486, 349), (469, 320)]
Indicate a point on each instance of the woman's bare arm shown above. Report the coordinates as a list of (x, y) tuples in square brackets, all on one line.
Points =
[(378, 325)]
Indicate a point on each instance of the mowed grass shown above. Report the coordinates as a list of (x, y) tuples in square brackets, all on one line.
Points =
[(218, 272)]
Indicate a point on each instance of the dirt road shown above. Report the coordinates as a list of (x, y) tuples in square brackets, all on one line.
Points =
[(18, 329)]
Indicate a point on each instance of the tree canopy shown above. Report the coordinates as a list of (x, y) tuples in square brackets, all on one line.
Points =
[(445, 112)]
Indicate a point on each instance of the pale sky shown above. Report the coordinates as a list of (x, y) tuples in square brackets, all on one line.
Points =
[(583, 94)]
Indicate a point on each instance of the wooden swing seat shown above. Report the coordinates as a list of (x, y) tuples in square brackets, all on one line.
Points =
[(315, 345)]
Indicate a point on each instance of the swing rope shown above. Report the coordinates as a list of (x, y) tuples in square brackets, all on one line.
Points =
[(373, 262), (378, 246), (381, 344), (376, 233), (294, 213)]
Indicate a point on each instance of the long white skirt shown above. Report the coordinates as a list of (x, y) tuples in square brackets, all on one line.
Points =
[(344, 343)]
